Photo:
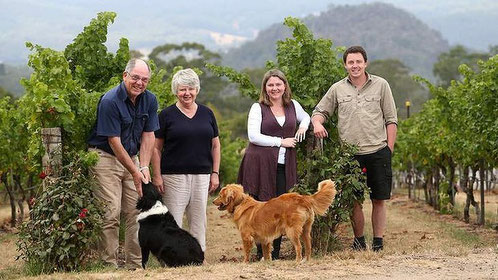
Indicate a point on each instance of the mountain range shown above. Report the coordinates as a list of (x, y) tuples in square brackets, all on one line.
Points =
[(217, 24), (384, 30), (223, 26)]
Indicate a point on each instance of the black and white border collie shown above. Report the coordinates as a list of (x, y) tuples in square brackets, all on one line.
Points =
[(160, 235)]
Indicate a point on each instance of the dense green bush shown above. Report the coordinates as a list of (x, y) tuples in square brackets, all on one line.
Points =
[(65, 219), (337, 163)]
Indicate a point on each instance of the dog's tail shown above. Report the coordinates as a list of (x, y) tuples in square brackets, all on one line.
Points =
[(322, 199)]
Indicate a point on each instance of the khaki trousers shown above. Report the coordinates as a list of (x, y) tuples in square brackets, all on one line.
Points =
[(117, 191), (188, 193)]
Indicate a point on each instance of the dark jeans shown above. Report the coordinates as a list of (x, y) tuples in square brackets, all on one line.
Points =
[(280, 189)]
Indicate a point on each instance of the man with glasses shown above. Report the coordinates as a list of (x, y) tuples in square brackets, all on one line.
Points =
[(123, 136)]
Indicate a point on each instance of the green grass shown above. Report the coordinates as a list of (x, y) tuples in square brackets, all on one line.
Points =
[(11, 273), (468, 239)]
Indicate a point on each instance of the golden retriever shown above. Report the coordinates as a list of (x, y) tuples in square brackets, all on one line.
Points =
[(291, 214)]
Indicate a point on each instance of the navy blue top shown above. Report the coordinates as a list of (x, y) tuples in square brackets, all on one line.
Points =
[(117, 116), (187, 142)]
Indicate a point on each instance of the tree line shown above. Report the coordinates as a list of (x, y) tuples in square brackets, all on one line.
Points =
[(455, 135), (65, 86)]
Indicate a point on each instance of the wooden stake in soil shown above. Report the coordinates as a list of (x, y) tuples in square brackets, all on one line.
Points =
[(52, 142)]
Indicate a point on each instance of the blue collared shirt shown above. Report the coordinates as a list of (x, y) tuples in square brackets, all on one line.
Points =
[(117, 116)]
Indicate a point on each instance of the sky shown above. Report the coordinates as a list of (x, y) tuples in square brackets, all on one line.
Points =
[(218, 24)]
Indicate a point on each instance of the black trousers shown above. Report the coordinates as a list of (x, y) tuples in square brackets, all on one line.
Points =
[(280, 179), (280, 189)]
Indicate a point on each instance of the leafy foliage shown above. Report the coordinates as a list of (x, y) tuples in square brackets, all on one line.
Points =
[(90, 63), (337, 162), (160, 85), (13, 141), (65, 220), (65, 86), (49, 88), (246, 87), (311, 65), (457, 127)]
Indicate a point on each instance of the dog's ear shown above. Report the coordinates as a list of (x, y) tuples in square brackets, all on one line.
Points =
[(234, 199), (228, 195)]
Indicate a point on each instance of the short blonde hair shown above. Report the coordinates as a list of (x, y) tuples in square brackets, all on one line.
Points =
[(185, 77), (263, 96)]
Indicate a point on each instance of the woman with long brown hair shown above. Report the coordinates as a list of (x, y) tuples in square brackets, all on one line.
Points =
[(275, 124)]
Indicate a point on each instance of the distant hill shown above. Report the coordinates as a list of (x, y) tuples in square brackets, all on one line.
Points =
[(384, 30), (10, 76)]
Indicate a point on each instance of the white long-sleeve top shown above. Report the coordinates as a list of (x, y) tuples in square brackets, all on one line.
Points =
[(254, 128)]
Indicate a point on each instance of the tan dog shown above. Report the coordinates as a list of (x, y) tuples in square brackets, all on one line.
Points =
[(291, 214)]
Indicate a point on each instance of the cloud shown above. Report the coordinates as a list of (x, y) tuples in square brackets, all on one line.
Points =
[(226, 40)]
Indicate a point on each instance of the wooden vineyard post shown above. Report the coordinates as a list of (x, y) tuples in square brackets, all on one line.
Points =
[(52, 142)]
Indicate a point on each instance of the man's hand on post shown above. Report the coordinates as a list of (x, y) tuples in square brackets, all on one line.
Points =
[(319, 130)]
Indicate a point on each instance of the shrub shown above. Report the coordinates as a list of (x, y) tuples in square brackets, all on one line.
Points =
[(335, 162), (65, 220)]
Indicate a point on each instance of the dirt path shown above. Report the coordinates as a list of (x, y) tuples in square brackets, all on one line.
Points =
[(419, 244)]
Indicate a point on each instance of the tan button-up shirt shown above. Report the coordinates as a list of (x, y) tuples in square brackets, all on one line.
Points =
[(362, 114)]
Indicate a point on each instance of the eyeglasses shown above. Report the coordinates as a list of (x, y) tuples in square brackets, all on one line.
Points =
[(135, 78)]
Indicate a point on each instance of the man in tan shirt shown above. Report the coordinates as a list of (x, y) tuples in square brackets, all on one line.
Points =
[(366, 118)]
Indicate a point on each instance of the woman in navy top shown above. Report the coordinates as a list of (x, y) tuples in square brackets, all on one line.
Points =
[(186, 158)]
